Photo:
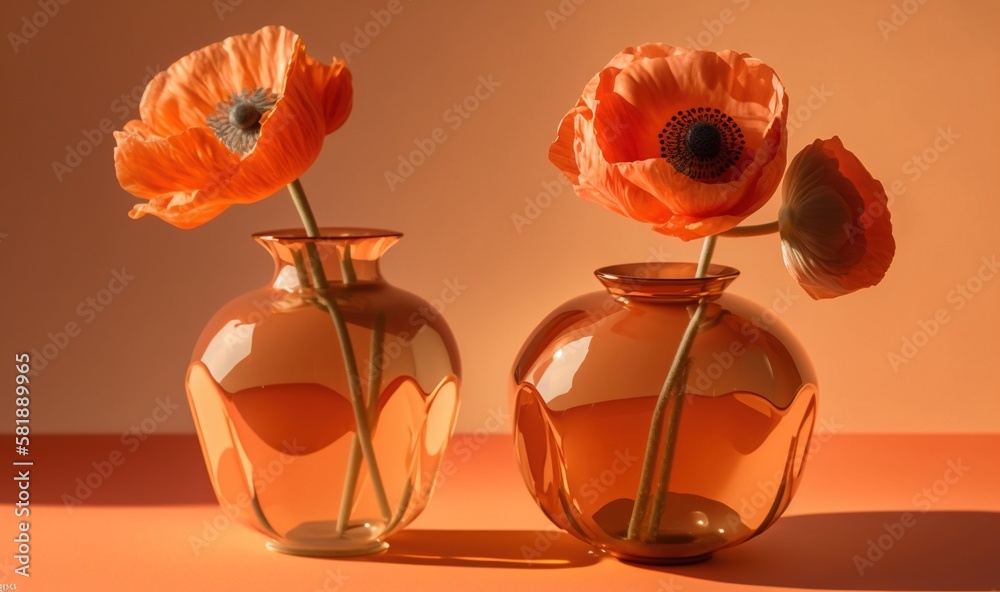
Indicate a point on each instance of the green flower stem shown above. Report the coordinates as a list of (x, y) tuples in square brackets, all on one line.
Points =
[(350, 362), (756, 230), (404, 503), (309, 221), (300, 268), (670, 442), (347, 267), (374, 389), (375, 364), (303, 275), (656, 425), (302, 205)]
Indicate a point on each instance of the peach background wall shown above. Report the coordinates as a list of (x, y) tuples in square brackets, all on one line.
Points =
[(914, 97)]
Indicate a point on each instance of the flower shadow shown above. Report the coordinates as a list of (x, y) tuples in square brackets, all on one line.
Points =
[(516, 549), (943, 550)]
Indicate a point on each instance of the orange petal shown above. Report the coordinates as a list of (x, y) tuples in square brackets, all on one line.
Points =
[(562, 152), (189, 90), (331, 85), (606, 185), (149, 166), (183, 210)]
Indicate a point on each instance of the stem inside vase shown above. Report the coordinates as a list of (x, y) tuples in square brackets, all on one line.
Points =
[(362, 416), (671, 397)]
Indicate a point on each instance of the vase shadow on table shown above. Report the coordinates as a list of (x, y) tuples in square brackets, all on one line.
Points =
[(515, 549), (946, 550)]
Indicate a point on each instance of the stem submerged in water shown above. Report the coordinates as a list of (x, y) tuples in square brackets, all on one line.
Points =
[(374, 389), (673, 388), (363, 436)]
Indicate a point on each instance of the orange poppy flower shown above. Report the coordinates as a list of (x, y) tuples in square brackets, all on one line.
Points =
[(836, 235), (231, 123), (690, 141)]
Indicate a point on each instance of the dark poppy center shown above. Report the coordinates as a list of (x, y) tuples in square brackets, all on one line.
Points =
[(236, 120), (702, 143), (244, 115), (704, 140)]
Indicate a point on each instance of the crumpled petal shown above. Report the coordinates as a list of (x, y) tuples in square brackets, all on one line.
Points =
[(182, 95), (835, 227), (171, 158)]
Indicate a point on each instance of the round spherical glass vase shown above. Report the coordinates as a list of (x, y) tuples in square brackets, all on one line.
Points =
[(281, 375), (583, 391)]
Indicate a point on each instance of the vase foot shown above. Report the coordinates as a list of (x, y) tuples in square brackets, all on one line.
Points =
[(661, 560), (322, 539), (309, 551)]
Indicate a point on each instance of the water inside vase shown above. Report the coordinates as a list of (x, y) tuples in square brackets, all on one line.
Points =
[(583, 464), (279, 454)]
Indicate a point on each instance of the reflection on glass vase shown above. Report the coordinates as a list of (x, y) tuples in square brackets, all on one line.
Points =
[(276, 396), (583, 392)]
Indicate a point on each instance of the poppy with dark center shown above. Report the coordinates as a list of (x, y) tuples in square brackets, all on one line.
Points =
[(236, 122), (689, 141), (702, 143), (231, 123)]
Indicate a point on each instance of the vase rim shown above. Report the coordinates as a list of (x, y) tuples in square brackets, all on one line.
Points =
[(327, 234), (666, 280)]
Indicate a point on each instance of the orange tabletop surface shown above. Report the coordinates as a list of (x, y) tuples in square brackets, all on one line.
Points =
[(875, 512)]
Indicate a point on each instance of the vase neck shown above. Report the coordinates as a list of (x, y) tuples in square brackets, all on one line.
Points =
[(665, 282), (346, 255)]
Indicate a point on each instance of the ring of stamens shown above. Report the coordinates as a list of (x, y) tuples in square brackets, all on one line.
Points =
[(702, 143), (236, 121)]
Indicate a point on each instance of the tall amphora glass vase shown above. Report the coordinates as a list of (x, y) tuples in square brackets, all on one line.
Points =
[(324, 400), (584, 388)]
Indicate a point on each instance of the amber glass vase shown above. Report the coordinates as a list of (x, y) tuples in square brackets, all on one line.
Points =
[(584, 388), (281, 375)]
